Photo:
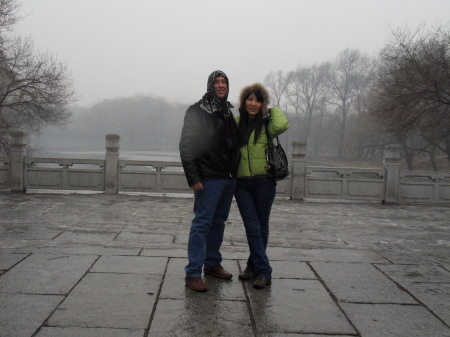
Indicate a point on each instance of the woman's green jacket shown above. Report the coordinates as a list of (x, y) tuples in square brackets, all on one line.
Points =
[(253, 156)]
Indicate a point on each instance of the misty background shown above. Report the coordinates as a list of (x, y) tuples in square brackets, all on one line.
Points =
[(137, 65)]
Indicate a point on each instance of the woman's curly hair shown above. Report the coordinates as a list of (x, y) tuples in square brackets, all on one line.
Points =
[(247, 126), (261, 93)]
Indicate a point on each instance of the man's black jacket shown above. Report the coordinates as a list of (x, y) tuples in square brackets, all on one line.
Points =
[(204, 151)]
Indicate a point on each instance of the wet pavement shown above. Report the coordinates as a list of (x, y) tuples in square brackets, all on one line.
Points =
[(94, 265)]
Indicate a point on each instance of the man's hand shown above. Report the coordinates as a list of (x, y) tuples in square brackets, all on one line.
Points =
[(197, 186)]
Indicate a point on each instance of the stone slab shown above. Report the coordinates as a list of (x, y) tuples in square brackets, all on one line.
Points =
[(417, 254), (416, 273), (360, 282), (430, 284), (435, 296), (234, 252), (28, 232), (392, 320), (302, 233), (182, 239), (128, 244), (6, 250), (9, 260), (324, 254), (300, 335), (86, 224), (144, 238), (46, 274), (21, 315), (130, 265), (296, 306), (70, 238), (201, 315), (16, 245), (88, 332), (289, 269), (169, 252), (107, 300), (79, 250)]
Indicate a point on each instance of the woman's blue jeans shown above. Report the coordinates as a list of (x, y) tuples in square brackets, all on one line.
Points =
[(254, 197), (211, 209)]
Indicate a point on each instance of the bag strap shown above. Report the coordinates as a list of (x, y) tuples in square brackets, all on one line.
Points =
[(268, 136)]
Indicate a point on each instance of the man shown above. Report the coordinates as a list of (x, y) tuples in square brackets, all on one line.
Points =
[(210, 154)]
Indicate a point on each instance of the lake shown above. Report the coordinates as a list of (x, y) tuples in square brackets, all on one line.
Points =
[(59, 147)]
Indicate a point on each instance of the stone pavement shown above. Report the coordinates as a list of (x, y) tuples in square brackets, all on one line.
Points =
[(91, 265)]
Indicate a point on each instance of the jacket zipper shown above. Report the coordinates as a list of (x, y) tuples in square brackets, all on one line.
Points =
[(248, 160)]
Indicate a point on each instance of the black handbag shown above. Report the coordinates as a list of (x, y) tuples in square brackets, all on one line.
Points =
[(276, 159)]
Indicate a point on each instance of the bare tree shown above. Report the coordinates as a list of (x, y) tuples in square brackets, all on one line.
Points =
[(411, 93), (35, 89), (8, 14), (362, 132), (276, 84), (293, 99), (307, 91), (348, 70), (322, 104)]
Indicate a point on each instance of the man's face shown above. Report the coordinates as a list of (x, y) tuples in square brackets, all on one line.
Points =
[(220, 87)]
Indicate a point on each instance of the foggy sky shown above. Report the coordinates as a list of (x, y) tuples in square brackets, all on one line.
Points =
[(167, 48)]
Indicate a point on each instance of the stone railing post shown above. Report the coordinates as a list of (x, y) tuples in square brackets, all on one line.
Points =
[(17, 156), (298, 171), (392, 159), (112, 164)]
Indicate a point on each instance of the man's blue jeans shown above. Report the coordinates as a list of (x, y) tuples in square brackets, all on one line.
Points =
[(254, 198), (211, 209)]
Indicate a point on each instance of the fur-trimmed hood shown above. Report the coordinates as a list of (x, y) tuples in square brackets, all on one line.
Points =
[(260, 92)]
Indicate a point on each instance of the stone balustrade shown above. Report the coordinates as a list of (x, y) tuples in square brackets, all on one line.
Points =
[(111, 175)]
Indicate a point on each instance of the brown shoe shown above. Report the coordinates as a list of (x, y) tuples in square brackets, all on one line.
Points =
[(247, 274), (196, 283), (218, 271), (261, 282)]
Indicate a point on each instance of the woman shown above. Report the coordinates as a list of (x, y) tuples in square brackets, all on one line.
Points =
[(255, 192)]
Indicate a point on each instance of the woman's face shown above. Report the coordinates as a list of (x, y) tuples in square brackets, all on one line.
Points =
[(252, 105)]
